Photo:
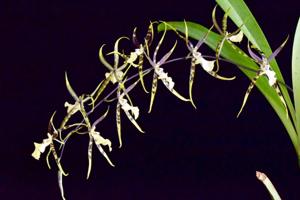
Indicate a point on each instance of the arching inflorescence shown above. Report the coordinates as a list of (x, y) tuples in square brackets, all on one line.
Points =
[(128, 71)]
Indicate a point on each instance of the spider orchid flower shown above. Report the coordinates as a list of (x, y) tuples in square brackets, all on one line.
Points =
[(197, 59), (96, 138), (236, 36), (132, 112), (140, 50), (41, 147), (159, 73), (265, 70), (115, 73), (73, 108)]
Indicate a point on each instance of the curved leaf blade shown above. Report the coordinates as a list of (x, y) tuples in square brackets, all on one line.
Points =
[(296, 75)]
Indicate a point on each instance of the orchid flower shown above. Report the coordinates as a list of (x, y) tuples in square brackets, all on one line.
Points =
[(267, 71), (197, 58), (72, 108), (159, 73), (132, 112), (96, 138), (140, 49), (115, 73), (235, 36), (41, 147)]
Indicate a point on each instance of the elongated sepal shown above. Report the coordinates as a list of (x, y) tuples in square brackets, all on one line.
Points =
[(60, 184), (70, 89), (215, 20), (90, 153), (103, 60), (118, 121), (191, 81), (250, 87), (116, 50), (276, 52), (153, 90), (133, 121), (253, 55), (104, 155)]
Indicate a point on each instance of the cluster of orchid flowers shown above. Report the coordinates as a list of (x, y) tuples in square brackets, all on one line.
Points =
[(119, 75)]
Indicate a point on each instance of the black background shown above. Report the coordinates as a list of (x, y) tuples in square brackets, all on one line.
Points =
[(185, 154)]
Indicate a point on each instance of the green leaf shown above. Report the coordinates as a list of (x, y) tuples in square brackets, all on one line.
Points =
[(242, 17), (296, 75), (237, 56)]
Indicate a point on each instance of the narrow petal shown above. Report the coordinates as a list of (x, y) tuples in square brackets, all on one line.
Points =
[(116, 49), (191, 80), (179, 96), (253, 55), (70, 89), (104, 154), (279, 93), (218, 52), (141, 75), (134, 38), (90, 152), (224, 22), (133, 121), (201, 41), (150, 35), (52, 148), (275, 53), (153, 90), (250, 87), (118, 120), (214, 74), (103, 60), (60, 184), (102, 87), (100, 118), (159, 44), (215, 21), (166, 57)]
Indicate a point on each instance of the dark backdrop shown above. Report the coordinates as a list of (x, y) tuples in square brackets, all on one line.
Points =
[(185, 154)]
